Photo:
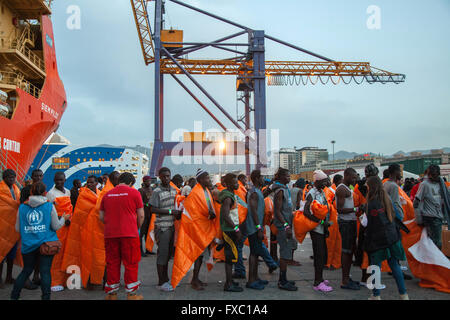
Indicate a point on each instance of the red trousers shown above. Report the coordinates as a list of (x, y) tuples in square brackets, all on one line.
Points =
[(128, 252)]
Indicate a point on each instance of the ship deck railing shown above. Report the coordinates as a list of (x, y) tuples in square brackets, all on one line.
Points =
[(18, 44), (11, 80), (7, 161)]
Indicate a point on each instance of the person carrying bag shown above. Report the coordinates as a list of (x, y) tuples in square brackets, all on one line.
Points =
[(37, 221)]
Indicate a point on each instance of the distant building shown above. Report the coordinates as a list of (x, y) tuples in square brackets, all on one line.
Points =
[(312, 155), (417, 164), (334, 165), (299, 160), (79, 162), (286, 158), (359, 162)]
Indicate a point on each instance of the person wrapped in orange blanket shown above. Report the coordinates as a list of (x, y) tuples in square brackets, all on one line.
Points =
[(9, 204), (60, 197), (425, 260), (334, 239), (94, 266), (76, 238), (424, 241), (197, 231)]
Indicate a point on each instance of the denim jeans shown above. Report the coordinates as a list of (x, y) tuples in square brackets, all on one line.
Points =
[(398, 276), (434, 230), (239, 267), (29, 262)]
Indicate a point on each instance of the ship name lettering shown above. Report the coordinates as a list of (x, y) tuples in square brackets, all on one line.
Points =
[(9, 145), (49, 110)]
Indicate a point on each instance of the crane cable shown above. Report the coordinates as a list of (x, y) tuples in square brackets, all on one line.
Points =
[(286, 80)]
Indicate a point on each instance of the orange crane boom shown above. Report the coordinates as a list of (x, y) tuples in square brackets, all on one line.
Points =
[(169, 54)]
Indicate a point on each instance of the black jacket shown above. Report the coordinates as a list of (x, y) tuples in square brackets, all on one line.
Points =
[(380, 232)]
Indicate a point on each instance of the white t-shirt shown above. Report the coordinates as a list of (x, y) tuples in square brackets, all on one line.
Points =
[(55, 193)]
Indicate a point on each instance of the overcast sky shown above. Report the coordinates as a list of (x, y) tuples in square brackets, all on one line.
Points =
[(110, 90)]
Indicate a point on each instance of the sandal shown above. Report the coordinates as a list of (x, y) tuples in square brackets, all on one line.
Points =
[(323, 287), (287, 286), (256, 285)]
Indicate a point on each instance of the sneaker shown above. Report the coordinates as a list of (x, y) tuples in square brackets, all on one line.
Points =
[(287, 286), (111, 296), (255, 285), (166, 287), (323, 287), (233, 288), (135, 296), (372, 297), (404, 296), (57, 288)]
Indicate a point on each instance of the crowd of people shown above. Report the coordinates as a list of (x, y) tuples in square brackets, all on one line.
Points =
[(106, 223)]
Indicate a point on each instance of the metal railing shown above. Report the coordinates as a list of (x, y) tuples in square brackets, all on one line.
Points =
[(9, 162), (15, 79), (19, 43)]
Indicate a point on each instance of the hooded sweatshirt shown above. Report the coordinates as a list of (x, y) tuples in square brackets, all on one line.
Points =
[(36, 201)]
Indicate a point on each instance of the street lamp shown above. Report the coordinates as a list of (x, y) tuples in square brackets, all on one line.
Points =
[(333, 142)]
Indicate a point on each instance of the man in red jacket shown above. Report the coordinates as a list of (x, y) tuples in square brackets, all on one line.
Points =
[(122, 212)]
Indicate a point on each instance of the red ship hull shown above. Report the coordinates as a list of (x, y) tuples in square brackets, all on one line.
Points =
[(34, 119)]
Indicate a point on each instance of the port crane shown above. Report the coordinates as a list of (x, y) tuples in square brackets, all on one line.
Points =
[(167, 51)]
